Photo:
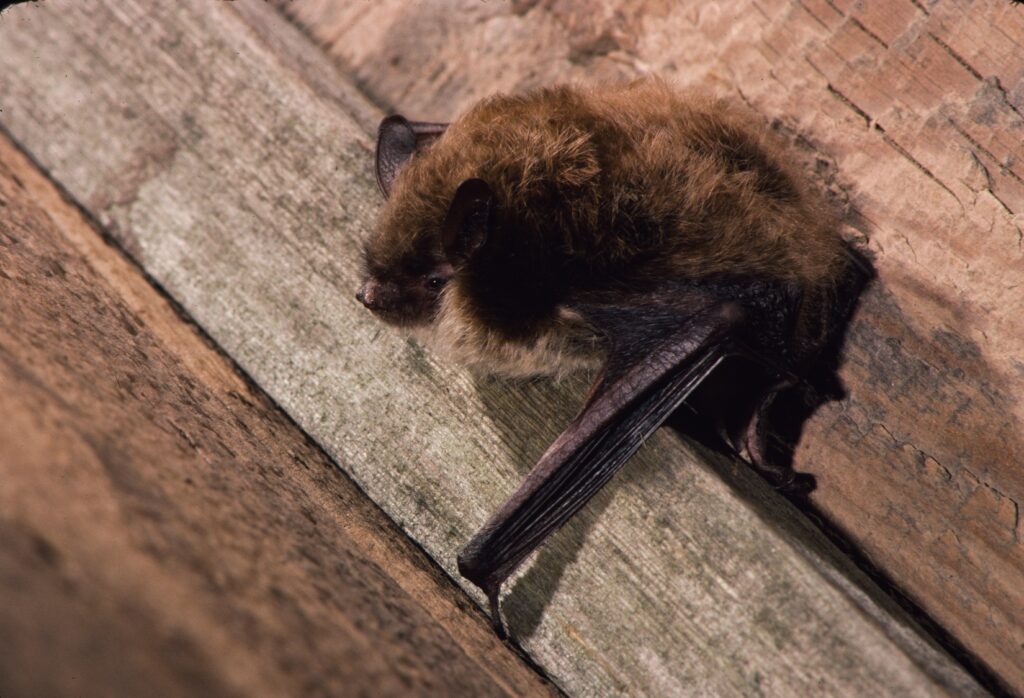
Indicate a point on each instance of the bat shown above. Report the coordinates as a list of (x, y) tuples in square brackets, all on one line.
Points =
[(649, 233)]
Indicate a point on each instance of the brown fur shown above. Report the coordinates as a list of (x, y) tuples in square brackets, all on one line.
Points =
[(598, 188)]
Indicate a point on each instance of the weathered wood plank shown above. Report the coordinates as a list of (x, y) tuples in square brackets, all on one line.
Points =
[(245, 193), (910, 114), (164, 530)]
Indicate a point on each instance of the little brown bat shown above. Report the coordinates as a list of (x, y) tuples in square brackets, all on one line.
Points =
[(651, 232)]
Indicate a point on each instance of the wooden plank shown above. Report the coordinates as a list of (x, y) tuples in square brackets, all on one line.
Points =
[(164, 529), (910, 114), (245, 193)]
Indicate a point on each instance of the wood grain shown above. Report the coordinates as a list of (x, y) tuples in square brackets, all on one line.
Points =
[(910, 115), (245, 192), (164, 530)]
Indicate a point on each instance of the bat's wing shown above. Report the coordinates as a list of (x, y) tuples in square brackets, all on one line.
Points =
[(397, 140), (649, 372)]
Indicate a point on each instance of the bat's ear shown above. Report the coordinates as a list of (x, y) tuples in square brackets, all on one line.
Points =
[(397, 140), (468, 223)]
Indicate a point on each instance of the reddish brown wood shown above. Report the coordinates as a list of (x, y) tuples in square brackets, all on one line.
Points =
[(164, 530)]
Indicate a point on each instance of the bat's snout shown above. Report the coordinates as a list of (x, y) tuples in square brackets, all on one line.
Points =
[(378, 296)]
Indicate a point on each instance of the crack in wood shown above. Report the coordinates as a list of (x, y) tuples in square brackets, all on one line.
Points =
[(919, 6), (1003, 167), (850, 103), (860, 25), (956, 56), (918, 164)]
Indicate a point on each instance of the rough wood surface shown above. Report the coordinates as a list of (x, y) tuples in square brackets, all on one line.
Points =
[(164, 530), (245, 192), (910, 113)]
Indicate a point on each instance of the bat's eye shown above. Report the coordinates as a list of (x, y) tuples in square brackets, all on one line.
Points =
[(436, 283)]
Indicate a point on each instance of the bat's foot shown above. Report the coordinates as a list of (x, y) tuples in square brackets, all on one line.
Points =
[(479, 569), (755, 441), (496, 622)]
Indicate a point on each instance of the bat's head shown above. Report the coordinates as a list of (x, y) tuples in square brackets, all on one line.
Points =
[(443, 269), (434, 222), (474, 212), (466, 246), (413, 256), (405, 266)]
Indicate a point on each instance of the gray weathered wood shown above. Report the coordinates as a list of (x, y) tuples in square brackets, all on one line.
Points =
[(245, 193)]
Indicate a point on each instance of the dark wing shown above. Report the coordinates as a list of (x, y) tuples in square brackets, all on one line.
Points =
[(397, 140), (657, 356)]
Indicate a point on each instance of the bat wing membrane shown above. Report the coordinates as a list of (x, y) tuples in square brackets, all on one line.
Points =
[(640, 386)]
